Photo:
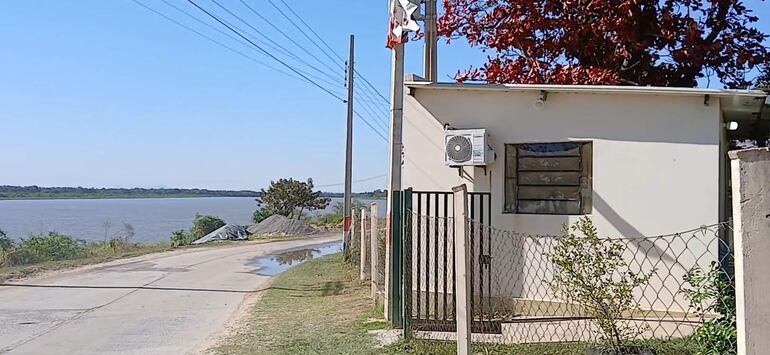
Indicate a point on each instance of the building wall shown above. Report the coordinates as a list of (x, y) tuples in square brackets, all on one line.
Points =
[(656, 166)]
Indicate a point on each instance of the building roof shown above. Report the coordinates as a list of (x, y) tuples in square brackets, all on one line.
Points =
[(735, 104)]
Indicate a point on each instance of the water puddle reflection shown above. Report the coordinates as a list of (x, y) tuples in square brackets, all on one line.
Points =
[(274, 264)]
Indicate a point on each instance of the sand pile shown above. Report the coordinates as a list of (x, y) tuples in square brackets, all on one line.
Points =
[(281, 226)]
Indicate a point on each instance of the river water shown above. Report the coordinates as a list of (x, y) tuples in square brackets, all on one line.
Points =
[(153, 219)]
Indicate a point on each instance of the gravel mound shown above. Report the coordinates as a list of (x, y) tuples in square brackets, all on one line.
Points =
[(281, 226), (227, 232)]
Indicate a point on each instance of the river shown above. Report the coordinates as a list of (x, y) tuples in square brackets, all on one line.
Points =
[(153, 219)]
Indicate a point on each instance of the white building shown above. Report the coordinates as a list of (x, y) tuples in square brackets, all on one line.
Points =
[(639, 161), (653, 159)]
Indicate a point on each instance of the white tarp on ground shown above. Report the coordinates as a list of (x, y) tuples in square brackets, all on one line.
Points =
[(227, 232), (281, 226)]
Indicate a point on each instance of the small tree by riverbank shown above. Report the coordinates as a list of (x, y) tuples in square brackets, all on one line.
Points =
[(289, 198), (202, 226)]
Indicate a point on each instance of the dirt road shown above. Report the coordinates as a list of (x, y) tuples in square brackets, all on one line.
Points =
[(170, 303)]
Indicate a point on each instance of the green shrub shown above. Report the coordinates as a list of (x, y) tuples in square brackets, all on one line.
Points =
[(50, 247), (6, 243), (181, 238), (712, 292), (591, 271), (261, 214), (203, 225)]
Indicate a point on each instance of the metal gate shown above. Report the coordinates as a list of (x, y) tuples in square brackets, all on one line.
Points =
[(428, 269)]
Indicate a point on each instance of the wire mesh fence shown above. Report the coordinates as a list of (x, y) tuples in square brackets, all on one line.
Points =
[(379, 274), (671, 294)]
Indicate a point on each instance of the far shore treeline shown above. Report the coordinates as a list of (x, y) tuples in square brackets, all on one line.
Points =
[(53, 193)]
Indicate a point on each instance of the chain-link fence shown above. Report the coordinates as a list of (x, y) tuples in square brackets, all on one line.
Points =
[(379, 274), (668, 294)]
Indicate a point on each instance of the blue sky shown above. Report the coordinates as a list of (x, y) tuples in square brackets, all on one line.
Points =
[(107, 94)]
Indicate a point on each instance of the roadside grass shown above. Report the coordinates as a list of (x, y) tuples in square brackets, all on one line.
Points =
[(102, 252), (94, 254), (318, 307)]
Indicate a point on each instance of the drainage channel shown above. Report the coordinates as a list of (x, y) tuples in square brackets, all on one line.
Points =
[(274, 264)]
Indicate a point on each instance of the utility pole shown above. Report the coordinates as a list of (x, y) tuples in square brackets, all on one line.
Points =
[(431, 41), (393, 244), (348, 204)]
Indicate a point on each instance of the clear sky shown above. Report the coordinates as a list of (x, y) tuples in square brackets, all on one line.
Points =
[(105, 93)]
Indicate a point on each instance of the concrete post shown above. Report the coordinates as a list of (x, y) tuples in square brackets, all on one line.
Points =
[(462, 270), (387, 311), (353, 239), (751, 223), (374, 254), (364, 248)]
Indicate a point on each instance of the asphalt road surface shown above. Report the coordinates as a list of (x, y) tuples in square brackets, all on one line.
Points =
[(169, 303)]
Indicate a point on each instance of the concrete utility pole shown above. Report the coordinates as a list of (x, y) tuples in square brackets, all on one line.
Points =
[(394, 188), (431, 41), (348, 203)]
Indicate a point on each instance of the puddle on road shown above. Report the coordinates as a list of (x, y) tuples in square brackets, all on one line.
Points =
[(274, 264)]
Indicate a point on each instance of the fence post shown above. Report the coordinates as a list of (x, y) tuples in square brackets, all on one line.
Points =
[(751, 223), (364, 247), (353, 239), (374, 215), (392, 263), (464, 313), (406, 237)]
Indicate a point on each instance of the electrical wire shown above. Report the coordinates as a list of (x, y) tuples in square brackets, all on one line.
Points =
[(265, 51), (285, 35), (229, 36), (280, 48), (355, 181), (215, 41), (321, 39)]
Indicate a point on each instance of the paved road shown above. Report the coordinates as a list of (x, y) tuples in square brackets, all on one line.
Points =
[(170, 303)]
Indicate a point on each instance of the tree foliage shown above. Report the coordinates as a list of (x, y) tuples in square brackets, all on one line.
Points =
[(6, 243), (591, 271), (763, 82), (628, 42), (290, 198), (713, 292), (203, 225)]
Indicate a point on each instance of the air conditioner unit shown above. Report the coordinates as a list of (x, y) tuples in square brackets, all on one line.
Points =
[(468, 147)]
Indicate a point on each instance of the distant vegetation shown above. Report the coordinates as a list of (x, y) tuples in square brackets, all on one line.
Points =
[(42, 193), (58, 193), (376, 194)]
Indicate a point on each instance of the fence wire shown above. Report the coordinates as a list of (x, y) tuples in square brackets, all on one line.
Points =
[(671, 294)]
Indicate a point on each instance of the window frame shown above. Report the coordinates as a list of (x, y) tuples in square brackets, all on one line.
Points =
[(585, 178)]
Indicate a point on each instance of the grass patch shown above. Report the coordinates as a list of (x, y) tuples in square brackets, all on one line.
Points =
[(318, 307), (427, 347), (93, 255)]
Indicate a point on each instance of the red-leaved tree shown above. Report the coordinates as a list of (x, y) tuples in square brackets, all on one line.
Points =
[(608, 42)]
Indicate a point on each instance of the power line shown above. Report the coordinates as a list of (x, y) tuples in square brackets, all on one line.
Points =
[(285, 35), (321, 39), (303, 31), (370, 126), (214, 40), (172, 20), (312, 31), (279, 48), (266, 52), (367, 107), (372, 86), (355, 181)]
